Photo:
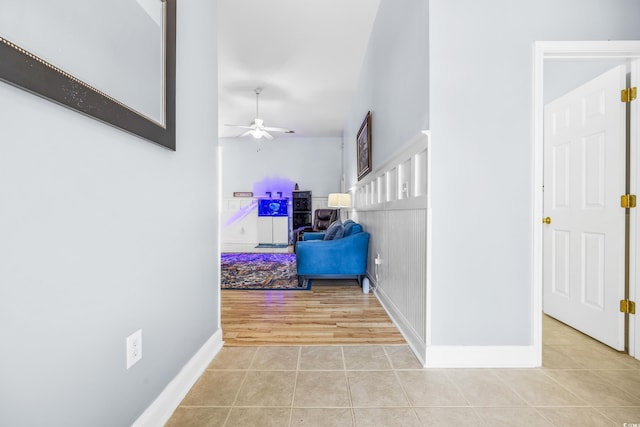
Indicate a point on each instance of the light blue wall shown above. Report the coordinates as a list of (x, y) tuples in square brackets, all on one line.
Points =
[(393, 83), (102, 233), (481, 122), (313, 163), (560, 77), (463, 69)]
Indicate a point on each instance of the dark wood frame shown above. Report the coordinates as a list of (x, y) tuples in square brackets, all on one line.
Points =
[(22, 69), (363, 147)]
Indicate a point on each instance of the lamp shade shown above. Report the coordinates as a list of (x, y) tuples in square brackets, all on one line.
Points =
[(339, 200)]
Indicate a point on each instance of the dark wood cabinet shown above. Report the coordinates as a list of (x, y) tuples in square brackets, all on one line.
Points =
[(301, 215)]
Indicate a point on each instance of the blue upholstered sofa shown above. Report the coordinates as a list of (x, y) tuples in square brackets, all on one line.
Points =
[(339, 252)]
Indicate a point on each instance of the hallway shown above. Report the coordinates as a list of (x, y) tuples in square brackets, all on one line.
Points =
[(582, 383)]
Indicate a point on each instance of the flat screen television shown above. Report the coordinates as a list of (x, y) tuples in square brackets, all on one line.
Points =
[(272, 207)]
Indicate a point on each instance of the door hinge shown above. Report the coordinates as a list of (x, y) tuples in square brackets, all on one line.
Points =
[(628, 95), (628, 201), (627, 306)]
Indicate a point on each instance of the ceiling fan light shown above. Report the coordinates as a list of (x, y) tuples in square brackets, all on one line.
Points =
[(256, 133)]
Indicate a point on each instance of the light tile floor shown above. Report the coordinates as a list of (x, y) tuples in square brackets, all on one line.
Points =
[(582, 383)]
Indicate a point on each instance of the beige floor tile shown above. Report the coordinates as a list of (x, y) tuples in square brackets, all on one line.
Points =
[(276, 359), (364, 357), (538, 389), (575, 417), (511, 417), (267, 388), (321, 389), (634, 363), (566, 338), (198, 417), (402, 357), (321, 358), (583, 383), (629, 361), (430, 388), (322, 417), (558, 333), (448, 417), (482, 387), (596, 356), (628, 379), (386, 417), (553, 358), (233, 358), (629, 415), (594, 389), (375, 389), (263, 417), (215, 388)]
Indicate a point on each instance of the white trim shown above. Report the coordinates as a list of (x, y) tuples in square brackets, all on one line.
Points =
[(159, 412), (406, 329), (563, 50), (392, 199), (481, 357), (576, 50), (429, 261), (538, 207)]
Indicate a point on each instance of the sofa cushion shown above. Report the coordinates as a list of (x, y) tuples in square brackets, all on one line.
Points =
[(351, 227), (335, 231)]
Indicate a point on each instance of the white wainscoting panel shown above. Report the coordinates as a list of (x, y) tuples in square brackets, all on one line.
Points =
[(392, 203)]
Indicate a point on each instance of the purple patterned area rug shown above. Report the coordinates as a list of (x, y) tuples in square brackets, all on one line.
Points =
[(261, 271)]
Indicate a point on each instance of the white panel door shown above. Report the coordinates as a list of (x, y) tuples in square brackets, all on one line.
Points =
[(584, 177)]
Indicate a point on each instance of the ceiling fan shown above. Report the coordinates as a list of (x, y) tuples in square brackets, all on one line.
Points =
[(257, 129)]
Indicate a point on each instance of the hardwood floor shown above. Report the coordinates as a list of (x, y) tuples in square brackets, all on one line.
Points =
[(331, 313)]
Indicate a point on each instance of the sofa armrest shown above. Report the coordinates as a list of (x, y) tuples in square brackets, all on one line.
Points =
[(313, 235)]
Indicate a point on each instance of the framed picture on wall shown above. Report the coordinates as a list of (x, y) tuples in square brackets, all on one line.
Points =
[(111, 100), (364, 147)]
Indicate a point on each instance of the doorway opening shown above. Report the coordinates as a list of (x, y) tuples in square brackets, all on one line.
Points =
[(545, 54)]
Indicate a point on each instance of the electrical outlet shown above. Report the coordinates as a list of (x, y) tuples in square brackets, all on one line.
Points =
[(134, 348)]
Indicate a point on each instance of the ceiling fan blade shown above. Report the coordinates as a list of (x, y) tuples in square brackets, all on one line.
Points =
[(241, 126), (257, 129), (272, 129)]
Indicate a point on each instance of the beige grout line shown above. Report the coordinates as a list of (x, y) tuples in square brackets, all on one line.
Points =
[(402, 387), (295, 385), (244, 380), (346, 378), (546, 372)]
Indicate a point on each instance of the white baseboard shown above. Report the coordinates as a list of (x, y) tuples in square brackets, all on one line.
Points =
[(415, 342), (159, 412), (482, 357)]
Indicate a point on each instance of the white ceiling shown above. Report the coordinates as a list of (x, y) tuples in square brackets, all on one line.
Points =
[(305, 54)]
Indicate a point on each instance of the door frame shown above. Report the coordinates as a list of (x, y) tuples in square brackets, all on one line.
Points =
[(576, 50)]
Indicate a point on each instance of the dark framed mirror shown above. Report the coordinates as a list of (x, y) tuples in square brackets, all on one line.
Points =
[(24, 69)]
